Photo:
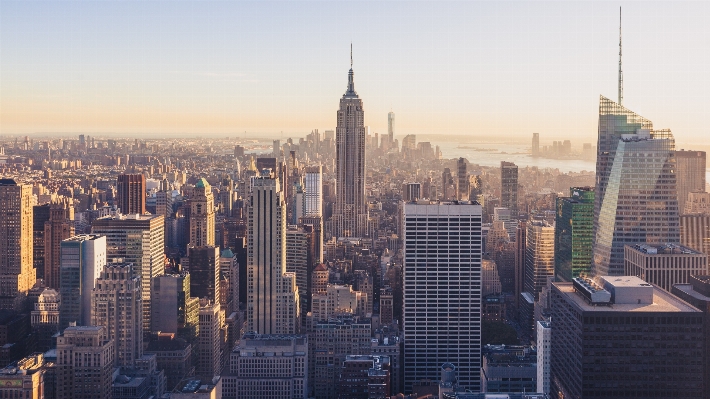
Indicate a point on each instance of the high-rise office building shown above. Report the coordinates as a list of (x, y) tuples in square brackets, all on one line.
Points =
[(536, 145), (574, 232), (630, 205), (204, 272), (314, 191), (174, 310), (520, 249), (664, 264), (591, 356), (697, 202), (411, 191), (509, 187), (350, 205), (390, 126), (539, 256), (59, 227), (17, 273), (40, 215), (272, 293), (447, 185), (117, 305), (83, 258), (208, 357), (138, 240), (695, 232), (462, 180), (544, 349), (45, 318), (297, 263), (130, 191), (202, 217), (268, 366), (85, 363), (690, 174), (442, 276)]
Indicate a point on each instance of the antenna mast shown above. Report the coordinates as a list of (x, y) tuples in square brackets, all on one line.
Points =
[(621, 74), (351, 55)]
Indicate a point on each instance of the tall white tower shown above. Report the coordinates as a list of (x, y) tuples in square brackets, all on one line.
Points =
[(272, 293)]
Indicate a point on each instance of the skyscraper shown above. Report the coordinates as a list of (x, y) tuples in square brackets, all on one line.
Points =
[(202, 215), (462, 175), (117, 305), (539, 256), (591, 354), (690, 174), (82, 261), (509, 187), (297, 263), (442, 290), (390, 127), (272, 293), (85, 363), (208, 357), (536, 145), (204, 272), (635, 197), (131, 193), (350, 205), (59, 227), (138, 240), (174, 309), (574, 228), (314, 191), (17, 274)]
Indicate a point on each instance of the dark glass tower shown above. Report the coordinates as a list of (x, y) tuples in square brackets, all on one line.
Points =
[(574, 226)]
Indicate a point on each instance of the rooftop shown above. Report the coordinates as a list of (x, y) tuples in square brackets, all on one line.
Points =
[(664, 249), (662, 300)]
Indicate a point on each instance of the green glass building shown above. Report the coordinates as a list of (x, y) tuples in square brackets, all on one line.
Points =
[(574, 232)]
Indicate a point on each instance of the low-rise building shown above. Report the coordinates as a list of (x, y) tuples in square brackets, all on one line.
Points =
[(509, 369)]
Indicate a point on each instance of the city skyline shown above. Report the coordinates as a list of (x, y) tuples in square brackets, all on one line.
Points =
[(182, 69)]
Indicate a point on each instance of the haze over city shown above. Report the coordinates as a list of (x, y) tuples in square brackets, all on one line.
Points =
[(466, 68)]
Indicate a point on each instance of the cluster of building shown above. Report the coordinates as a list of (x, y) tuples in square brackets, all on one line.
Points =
[(348, 266)]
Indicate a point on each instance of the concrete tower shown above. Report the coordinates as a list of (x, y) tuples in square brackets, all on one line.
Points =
[(272, 293), (350, 206), (202, 215)]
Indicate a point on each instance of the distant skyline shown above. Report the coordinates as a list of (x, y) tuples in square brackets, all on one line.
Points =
[(485, 69)]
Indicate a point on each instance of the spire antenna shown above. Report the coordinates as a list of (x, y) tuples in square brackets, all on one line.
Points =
[(351, 55), (621, 74)]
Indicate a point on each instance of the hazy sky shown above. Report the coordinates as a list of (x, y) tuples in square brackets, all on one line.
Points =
[(478, 68)]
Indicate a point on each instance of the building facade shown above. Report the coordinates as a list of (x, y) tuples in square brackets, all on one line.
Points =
[(574, 232), (131, 193), (140, 241), (509, 187), (85, 363), (591, 356), (174, 310), (202, 217), (350, 215), (664, 265), (82, 261), (690, 174), (636, 200), (17, 273), (539, 256), (442, 290), (272, 293), (117, 305)]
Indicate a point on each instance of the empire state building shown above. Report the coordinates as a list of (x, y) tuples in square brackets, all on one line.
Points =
[(350, 216)]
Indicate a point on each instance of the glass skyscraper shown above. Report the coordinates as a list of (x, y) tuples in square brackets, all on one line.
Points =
[(635, 199), (574, 227)]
